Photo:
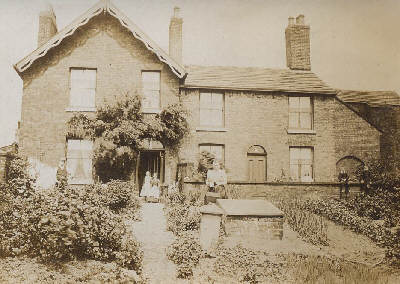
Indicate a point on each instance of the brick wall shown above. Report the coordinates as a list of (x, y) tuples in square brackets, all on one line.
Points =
[(262, 119), (119, 58), (354, 136)]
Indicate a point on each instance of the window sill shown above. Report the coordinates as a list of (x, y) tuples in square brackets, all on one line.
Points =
[(152, 110), (301, 131), (211, 129), (88, 109)]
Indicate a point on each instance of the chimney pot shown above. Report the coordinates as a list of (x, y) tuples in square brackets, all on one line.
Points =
[(291, 21), (300, 20), (177, 12)]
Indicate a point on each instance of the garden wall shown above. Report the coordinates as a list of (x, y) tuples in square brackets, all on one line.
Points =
[(260, 190)]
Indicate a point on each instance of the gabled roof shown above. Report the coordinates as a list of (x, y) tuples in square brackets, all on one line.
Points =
[(257, 79), (372, 98), (104, 6)]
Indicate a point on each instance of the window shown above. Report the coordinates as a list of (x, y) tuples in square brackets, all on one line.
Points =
[(82, 88), (301, 163), (212, 109), (151, 91), (300, 113), (216, 150), (79, 161)]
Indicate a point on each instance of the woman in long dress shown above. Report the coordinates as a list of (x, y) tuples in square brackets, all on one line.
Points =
[(155, 186), (146, 188)]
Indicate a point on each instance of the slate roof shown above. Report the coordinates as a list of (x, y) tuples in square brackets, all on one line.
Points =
[(257, 79), (372, 98), (103, 6)]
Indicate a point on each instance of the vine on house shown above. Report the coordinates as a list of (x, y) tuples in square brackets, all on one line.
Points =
[(120, 129)]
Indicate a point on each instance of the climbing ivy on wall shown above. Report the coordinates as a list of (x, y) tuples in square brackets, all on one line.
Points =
[(120, 129)]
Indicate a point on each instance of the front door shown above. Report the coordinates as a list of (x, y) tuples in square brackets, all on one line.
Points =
[(152, 161), (257, 169)]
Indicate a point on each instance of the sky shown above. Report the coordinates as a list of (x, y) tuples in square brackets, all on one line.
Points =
[(355, 44)]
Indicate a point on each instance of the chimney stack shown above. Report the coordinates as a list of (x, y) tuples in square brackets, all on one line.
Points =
[(298, 44), (175, 36), (47, 24)]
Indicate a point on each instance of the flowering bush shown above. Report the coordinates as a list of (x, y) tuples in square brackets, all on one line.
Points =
[(19, 181), (58, 225), (185, 251)]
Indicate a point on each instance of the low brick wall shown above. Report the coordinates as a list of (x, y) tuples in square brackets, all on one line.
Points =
[(254, 228), (246, 190)]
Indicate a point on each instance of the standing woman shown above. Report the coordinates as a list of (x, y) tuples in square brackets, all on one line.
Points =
[(221, 180), (146, 188)]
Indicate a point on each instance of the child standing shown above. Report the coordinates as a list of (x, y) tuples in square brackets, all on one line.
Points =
[(155, 186)]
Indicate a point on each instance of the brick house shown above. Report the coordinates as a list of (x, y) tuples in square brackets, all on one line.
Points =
[(265, 124)]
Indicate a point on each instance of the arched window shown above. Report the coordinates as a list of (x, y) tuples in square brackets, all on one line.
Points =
[(257, 164), (350, 164)]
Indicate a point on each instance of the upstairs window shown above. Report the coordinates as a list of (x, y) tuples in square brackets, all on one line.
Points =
[(212, 109), (300, 113), (82, 88), (151, 91), (79, 161), (216, 150), (301, 164)]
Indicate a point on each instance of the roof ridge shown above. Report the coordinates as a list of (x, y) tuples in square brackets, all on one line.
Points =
[(104, 6)]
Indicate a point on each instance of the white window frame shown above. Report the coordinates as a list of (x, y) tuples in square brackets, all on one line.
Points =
[(300, 111), (155, 90), (209, 148), (82, 95), (72, 157), (206, 110), (301, 163)]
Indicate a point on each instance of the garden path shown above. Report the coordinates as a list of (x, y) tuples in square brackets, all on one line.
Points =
[(152, 232)]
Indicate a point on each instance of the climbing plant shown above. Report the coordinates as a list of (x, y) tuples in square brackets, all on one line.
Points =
[(120, 129)]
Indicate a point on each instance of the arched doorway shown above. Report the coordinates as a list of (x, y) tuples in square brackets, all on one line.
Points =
[(350, 164), (257, 164)]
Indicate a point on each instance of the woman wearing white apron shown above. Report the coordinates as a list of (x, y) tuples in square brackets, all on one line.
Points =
[(146, 188)]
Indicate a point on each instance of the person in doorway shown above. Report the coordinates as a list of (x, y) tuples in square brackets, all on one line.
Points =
[(155, 186), (344, 183), (146, 188)]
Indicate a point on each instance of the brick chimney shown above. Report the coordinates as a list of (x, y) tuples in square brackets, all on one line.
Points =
[(175, 36), (298, 44), (47, 24)]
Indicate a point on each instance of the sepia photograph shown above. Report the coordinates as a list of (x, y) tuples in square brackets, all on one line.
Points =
[(183, 141)]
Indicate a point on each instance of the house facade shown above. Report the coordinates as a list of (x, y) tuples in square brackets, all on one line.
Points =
[(265, 125)]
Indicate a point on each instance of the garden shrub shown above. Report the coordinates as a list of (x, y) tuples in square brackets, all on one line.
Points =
[(58, 225), (185, 251), (18, 179), (311, 227), (245, 264), (183, 217), (339, 213)]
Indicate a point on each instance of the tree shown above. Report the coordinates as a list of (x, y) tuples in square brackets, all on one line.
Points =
[(120, 129)]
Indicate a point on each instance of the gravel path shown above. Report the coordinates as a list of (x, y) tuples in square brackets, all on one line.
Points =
[(151, 232)]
